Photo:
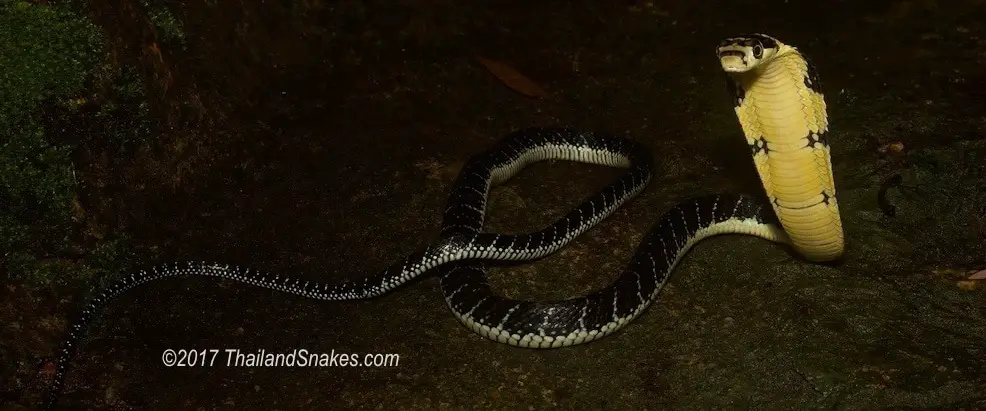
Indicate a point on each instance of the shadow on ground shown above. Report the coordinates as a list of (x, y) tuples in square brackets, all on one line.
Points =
[(321, 138)]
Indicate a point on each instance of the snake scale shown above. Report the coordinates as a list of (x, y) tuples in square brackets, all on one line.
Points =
[(783, 115)]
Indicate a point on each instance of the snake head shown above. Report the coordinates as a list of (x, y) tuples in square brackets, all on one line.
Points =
[(744, 53)]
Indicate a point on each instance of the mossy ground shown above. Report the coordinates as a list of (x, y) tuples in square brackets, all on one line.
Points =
[(65, 98), (321, 138)]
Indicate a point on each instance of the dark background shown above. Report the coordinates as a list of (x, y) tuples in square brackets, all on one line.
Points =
[(319, 139)]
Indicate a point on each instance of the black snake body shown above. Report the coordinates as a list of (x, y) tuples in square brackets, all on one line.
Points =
[(463, 282)]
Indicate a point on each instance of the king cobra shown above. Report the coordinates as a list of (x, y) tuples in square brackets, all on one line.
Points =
[(782, 114)]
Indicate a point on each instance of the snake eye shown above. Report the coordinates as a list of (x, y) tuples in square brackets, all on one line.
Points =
[(757, 51)]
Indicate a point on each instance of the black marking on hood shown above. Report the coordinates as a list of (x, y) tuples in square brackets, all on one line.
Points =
[(758, 145), (826, 198), (811, 77), (816, 140)]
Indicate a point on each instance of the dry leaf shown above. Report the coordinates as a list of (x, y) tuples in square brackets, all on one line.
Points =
[(512, 78), (155, 51), (978, 275)]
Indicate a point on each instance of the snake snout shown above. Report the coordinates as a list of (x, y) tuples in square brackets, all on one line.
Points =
[(733, 61)]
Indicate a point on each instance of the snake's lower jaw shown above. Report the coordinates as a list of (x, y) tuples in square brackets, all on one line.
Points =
[(733, 64)]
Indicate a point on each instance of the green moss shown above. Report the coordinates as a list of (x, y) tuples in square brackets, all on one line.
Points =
[(168, 27), (44, 51), (47, 53)]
